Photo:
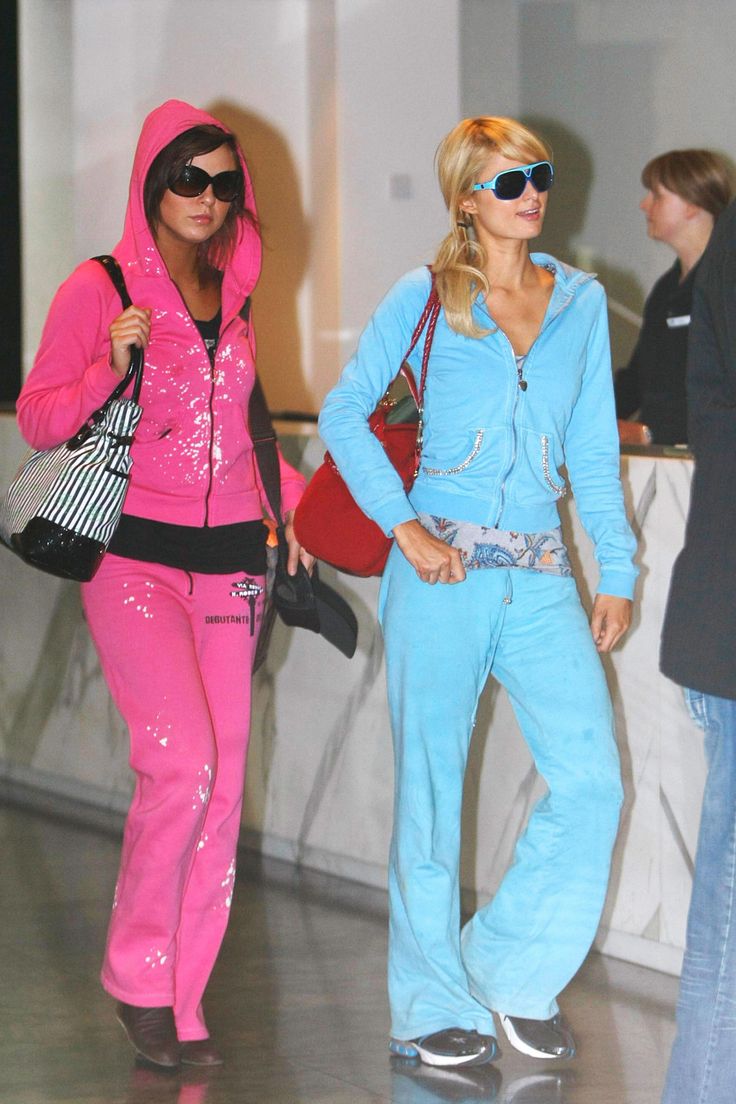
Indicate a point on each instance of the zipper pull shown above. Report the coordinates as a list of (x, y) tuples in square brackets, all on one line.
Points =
[(520, 373)]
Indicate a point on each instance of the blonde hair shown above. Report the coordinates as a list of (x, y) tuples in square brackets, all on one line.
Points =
[(695, 175), (459, 161)]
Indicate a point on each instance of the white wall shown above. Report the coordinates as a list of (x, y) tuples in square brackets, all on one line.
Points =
[(46, 161), (328, 97), (245, 60), (341, 104), (398, 91), (489, 57), (130, 55), (613, 83)]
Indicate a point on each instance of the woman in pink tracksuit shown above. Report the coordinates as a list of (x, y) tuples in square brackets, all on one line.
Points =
[(175, 608)]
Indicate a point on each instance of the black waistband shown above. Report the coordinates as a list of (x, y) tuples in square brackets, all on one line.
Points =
[(208, 551)]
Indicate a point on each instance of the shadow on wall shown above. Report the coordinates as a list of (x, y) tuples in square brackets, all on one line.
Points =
[(285, 253), (565, 226), (597, 86)]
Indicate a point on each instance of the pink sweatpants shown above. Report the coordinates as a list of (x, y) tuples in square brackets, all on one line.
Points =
[(176, 650)]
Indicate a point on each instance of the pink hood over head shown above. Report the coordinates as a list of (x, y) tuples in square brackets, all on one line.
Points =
[(193, 456), (137, 247)]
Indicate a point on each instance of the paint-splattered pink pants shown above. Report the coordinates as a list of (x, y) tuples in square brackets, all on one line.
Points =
[(176, 650)]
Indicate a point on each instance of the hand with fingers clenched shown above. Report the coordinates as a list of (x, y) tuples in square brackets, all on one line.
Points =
[(432, 559), (132, 327)]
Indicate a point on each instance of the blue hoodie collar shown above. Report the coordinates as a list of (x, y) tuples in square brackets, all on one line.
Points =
[(568, 281)]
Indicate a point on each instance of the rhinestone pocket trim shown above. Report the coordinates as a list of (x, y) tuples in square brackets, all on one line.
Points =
[(459, 467), (561, 490)]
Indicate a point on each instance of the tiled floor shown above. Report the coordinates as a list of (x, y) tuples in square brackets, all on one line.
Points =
[(297, 1001)]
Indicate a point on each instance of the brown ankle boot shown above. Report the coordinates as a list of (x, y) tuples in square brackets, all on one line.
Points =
[(151, 1032)]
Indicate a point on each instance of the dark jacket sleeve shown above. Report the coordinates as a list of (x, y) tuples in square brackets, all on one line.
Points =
[(626, 389), (699, 631)]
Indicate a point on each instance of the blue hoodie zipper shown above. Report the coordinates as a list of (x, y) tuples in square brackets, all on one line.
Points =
[(522, 384)]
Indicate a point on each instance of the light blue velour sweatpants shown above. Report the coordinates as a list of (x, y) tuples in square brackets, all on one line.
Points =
[(515, 955)]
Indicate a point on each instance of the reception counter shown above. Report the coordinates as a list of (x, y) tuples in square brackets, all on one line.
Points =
[(319, 789)]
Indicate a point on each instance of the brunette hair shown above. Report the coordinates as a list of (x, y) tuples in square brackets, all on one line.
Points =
[(698, 176), (459, 160), (165, 168)]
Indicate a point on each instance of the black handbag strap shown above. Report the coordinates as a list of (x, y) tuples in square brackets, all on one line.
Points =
[(114, 271), (135, 371), (264, 440)]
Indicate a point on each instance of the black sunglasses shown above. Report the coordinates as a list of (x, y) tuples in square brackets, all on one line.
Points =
[(510, 183), (192, 181)]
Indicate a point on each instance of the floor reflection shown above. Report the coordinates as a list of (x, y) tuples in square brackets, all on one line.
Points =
[(297, 1002), (414, 1083), (149, 1085)]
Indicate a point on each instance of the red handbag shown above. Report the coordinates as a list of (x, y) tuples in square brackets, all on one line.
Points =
[(328, 521)]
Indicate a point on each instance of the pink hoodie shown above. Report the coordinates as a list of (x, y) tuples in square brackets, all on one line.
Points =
[(193, 460)]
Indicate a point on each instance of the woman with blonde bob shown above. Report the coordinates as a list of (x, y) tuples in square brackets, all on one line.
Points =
[(686, 191), (478, 582)]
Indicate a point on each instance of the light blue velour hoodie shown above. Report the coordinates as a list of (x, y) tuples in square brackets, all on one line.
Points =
[(493, 450)]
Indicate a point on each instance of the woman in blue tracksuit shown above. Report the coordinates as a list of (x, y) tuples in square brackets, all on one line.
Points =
[(519, 383)]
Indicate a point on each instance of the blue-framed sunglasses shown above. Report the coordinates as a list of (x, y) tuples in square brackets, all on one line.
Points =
[(510, 183)]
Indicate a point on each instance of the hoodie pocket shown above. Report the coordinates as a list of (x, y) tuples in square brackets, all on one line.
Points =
[(552, 477), (456, 464), (149, 432)]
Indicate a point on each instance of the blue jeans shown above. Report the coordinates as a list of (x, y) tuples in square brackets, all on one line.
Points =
[(703, 1063), (517, 953)]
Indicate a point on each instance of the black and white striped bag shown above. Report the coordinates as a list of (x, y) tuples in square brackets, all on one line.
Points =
[(64, 504)]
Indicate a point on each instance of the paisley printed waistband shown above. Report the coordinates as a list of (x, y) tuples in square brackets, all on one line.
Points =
[(480, 546)]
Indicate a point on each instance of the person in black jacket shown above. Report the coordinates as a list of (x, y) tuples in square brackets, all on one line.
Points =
[(699, 652), (686, 192)]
